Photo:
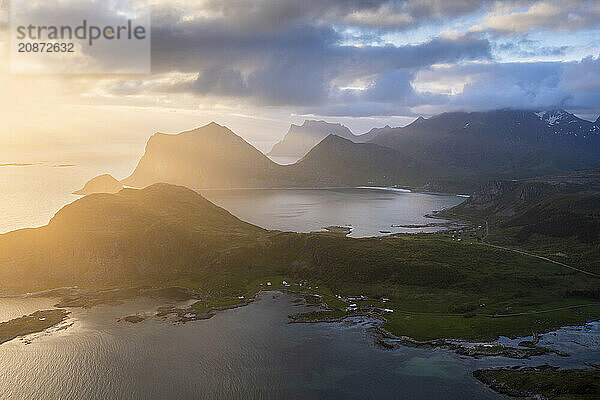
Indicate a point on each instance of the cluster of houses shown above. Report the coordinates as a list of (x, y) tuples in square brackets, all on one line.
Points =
[(284, 283), (370, 308), (352, 307)]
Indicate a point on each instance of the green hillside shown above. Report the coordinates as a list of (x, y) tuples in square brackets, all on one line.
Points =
[(168, 235)]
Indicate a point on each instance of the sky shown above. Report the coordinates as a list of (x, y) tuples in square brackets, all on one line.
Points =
[(257, 66)]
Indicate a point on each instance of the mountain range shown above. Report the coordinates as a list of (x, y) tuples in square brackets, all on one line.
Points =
[(214, 157), (448, 152), (501, 143)]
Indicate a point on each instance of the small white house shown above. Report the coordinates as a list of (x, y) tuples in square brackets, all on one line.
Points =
[(284, 283), (268, 283), (388, 310)]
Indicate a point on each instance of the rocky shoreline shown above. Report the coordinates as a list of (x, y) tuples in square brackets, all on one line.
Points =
[(385, 340), (181, 315), (382, 338)]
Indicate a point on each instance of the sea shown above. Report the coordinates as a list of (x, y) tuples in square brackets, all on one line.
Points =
[(34, 188), (251, 352)]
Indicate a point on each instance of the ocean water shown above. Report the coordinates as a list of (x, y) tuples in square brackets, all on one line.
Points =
[(367, 211), (250, 352), (31, 194)]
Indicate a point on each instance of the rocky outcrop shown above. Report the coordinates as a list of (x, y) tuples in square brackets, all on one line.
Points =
[(505, 198), (101, 184)]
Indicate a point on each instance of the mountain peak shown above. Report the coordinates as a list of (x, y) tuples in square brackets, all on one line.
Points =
[(553, 117), (319, 122), (301, 138), (335, 139), (211, 129), (210, 125), (186, 158)]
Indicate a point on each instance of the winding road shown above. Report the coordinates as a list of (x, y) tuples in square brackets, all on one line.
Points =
[(544, 258)]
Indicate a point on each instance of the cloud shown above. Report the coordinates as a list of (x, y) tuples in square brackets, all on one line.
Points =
[(298, 65), (525, 85), (550, 15), (266, 15), (294, 55), (335, 57), (527, 48)]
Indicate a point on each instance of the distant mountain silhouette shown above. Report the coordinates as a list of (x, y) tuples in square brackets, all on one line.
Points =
[(449, 152), (301, 138), (508, 143), (339, 161), (214, 157)]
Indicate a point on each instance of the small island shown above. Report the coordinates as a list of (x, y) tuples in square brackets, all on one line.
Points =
[(32, 323), (101, 184)]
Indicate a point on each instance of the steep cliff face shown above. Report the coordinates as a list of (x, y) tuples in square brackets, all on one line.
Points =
[(506, 198), (484, 197), (502, 199), (207, 157)]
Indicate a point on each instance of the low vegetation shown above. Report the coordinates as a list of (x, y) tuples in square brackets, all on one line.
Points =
[(543, 382)]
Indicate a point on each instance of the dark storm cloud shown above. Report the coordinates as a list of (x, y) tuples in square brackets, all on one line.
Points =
[(298, 65), (331, 57)]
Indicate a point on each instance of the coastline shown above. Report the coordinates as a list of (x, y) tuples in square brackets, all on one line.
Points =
[(73, 297)]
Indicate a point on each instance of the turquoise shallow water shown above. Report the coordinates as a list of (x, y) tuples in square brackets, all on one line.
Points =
[(246, 353)]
